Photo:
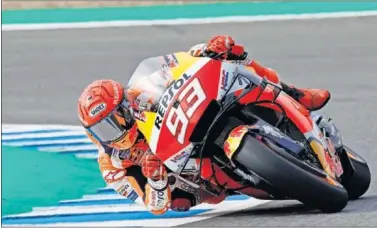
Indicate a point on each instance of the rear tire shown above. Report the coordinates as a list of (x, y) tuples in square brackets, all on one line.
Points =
[(359, 182), (280, 171)]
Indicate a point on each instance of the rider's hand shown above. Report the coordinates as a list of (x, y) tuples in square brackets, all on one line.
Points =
[(221, 46), (153, 167)]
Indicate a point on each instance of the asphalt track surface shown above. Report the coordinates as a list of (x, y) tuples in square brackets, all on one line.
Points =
[(45, 71)]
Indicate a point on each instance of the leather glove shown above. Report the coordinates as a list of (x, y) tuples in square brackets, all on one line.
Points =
[(153, 168), (220, 46), (223, 46)]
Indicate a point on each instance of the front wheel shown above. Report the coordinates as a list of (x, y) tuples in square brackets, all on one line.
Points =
[(291, 179)]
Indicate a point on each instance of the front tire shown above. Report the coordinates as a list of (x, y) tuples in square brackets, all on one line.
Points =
[(280, 172)]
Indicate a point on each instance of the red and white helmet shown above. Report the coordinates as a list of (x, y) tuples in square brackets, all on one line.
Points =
[(105, 110)]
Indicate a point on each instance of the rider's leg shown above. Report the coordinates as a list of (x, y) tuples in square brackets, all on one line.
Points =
[(312, 99)]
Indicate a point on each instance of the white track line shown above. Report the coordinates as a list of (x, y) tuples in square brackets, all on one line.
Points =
[(62, 210), (85, 200), (43, 135), (103, 197), (48, 142), (185, 21), (219, 210), (68, 148), (87, 156), (51, 211), (54, 209), (26, 127)]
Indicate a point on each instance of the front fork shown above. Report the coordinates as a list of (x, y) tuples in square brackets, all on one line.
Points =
[(325, 136)]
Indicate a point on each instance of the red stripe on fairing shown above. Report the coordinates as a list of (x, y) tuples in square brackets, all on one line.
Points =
[(209, 76)]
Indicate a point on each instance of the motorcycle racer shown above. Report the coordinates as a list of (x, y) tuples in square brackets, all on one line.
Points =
[(107, 111)]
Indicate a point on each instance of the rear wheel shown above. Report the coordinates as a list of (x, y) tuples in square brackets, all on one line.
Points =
[(358, 183), (280, 171)]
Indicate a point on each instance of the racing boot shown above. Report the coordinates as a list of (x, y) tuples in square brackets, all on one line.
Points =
[(312, 99)]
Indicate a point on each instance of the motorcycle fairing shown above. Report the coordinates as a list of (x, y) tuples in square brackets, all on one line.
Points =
[(190, 86)]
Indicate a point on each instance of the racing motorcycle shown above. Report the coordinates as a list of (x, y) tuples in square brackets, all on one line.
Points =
[(208, 114)]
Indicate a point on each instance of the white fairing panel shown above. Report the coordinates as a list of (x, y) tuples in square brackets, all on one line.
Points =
[(228, 72), (178, 161)]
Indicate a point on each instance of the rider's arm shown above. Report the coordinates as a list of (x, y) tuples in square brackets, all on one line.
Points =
[(127, 180), (199, 49), (131, 183)]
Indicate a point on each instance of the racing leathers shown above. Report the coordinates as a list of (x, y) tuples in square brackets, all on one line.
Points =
[(122, 171)]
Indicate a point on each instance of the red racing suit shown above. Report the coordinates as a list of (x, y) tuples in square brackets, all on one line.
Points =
[(121, 169)]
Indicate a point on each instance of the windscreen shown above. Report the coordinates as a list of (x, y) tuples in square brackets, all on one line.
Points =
[(151, 78)]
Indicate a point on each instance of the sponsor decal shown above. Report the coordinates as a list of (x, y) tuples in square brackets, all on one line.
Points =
[(170, 60), (167, 97), (97, 109), (270, 130), (132, 196), (233, 141), (140, 115), (224, 80), (180, 156), (245, 176), (153, 198), (322, 154), (333, 159), (116, 94), (158, 199), (330, 161), (113, 175), (245, 62), (227, 149), (122, 154), (238, 131), (124, 189)]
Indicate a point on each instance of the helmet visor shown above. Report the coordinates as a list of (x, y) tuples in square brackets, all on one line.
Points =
[(114, 126)]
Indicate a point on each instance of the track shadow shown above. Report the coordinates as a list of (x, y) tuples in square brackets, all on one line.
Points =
[(277, 208), (365, 204)]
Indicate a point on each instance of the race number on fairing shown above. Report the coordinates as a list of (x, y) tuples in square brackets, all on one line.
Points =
[(191, 97)]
